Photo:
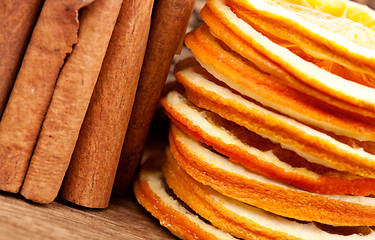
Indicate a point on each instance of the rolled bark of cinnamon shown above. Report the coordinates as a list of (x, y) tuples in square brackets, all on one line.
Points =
[(70, 101), (17, 21), (52, 39), (169, 22), (90, 176)]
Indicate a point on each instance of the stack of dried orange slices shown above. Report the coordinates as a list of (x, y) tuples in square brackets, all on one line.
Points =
[(273, 125)]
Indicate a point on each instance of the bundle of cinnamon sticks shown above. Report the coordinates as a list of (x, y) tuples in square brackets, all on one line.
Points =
[(80, 81)]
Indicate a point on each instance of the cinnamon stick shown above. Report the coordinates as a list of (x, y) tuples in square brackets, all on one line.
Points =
[(52, 39), (169, 22), (69, 102), (17, 21), (90, 176)]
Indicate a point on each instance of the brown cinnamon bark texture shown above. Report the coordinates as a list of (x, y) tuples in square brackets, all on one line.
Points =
[(52, 39), (169, 21), (70, 101), (17, 20), (91, 174)]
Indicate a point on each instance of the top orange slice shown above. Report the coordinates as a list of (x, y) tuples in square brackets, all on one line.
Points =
[(342, 8), (310, 49), (347, 36), (303, 71)]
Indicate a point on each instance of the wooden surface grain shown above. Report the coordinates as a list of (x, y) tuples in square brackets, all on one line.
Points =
[(370, 3), (123, 219)]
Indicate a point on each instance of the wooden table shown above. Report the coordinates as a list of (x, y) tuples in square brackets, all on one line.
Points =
[(124, 219)]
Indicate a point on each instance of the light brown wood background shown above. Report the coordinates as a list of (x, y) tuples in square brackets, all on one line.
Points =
[(124, 219), (370, 3)]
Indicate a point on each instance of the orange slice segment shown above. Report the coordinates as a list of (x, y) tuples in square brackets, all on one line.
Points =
[(346, 41), (236, 182), (335, 68), (305, 72), (244, 221), (258, 154), (237, 73), (152, 193), (309, 143), (342, 8)]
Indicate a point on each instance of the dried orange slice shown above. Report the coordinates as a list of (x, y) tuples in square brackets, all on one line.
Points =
[(347, 39), (240, 75), (239, 45), (247, 222), (154, 195), (258, 154), (305, 72), (333, 67), (314, 145), (342, 8), (236, 182)]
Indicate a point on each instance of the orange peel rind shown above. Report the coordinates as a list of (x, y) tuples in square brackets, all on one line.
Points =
[(308, 77), (235, 72), (236, 182), (314, 145), (237, 44), (244, 221), (346, 39), (258, 154), (152, 193)]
